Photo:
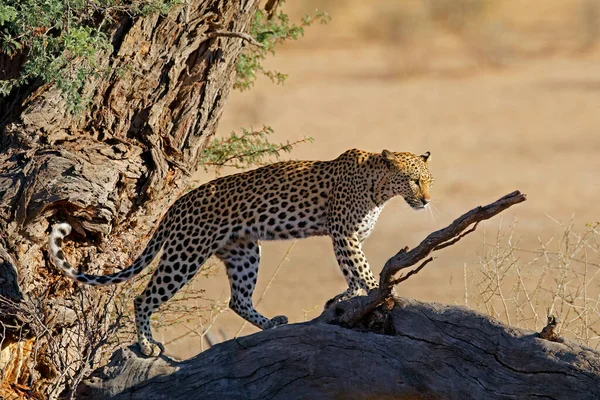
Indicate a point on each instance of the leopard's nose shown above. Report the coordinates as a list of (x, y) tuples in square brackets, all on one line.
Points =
[(425, 201)]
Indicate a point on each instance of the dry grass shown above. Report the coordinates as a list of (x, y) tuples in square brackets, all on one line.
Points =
[(90, 324), (98, 321), (561, 278)]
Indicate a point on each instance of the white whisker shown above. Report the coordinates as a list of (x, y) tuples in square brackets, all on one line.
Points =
[(434, 208), (430, 213)]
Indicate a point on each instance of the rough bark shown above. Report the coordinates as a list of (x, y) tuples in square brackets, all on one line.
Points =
[(113, 169), (434, 352)]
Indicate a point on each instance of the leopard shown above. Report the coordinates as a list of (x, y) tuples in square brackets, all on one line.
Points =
[(229, 217)]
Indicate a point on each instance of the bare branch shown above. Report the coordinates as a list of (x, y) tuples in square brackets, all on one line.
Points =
[(435, 241), (451, 232), (456, 239), (411, 273), (240, 35)]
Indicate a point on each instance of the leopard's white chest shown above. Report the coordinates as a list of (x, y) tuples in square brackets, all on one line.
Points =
[(365, 227)]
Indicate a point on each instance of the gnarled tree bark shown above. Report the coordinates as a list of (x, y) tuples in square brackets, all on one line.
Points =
[(372, 346), (113, 169)]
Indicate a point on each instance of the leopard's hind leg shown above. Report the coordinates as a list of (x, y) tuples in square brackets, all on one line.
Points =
[(176, 267), (241, 257)]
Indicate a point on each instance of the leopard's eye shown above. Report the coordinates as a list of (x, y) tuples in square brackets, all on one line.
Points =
[(416, 182)]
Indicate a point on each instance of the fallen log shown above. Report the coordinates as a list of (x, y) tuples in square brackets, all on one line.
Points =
[(436, 351), (375, 346)]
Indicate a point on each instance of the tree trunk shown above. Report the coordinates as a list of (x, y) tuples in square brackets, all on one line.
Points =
[(113, 169), (430, 351)]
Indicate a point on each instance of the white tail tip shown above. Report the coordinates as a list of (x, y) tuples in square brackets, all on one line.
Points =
[(61, 230)]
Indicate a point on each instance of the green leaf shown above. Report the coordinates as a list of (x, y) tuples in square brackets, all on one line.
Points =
[(62, 41), (7, 14), (270, 33), (250, 148)]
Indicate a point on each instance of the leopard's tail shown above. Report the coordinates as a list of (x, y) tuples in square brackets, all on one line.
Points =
[(60, 231)]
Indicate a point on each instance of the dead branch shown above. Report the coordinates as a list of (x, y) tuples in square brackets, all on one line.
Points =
[(411, 273), (451, 234), (435, 241)]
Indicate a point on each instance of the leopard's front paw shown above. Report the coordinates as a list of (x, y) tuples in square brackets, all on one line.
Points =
[(331, 302), (276, 321), (151, 348)]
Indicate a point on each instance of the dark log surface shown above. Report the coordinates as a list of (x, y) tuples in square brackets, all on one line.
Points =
[(436, 351)]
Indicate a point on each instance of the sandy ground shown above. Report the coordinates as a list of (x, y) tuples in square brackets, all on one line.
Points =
[(534, 126)]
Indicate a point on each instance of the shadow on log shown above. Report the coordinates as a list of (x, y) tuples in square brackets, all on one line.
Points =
[(374, 346)]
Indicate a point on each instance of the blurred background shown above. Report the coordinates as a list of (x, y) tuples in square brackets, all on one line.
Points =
[(504, 93)]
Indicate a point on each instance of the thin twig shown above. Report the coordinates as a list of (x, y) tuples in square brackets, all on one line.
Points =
[(456, 239), (240, 35), (411, 273), (553, 253), (250, 154)]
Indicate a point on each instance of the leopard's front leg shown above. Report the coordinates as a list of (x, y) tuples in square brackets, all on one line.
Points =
[(354, 265)]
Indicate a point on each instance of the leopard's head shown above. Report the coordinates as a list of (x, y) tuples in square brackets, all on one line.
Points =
[(408, 176)]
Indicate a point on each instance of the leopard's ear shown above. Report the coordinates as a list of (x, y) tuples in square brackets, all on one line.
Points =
[(389, 157), (426, 157)]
